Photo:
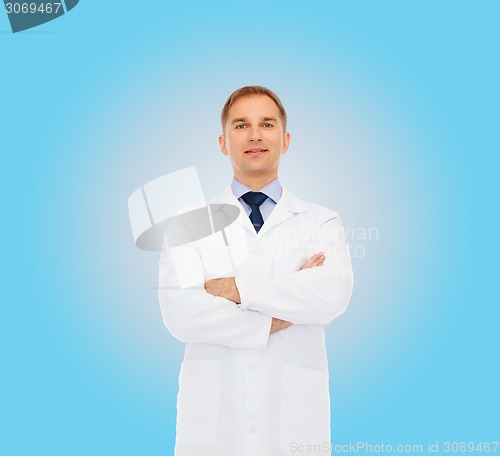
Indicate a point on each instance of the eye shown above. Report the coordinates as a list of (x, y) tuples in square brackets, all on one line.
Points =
[(268, 125), (239, 126)]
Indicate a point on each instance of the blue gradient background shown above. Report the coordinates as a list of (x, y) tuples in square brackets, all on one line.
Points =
[(394, 117)]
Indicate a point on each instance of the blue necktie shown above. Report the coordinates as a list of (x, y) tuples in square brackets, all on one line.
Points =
[(254, 200)]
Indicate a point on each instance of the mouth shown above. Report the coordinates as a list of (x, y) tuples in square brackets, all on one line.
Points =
[(255, 152)]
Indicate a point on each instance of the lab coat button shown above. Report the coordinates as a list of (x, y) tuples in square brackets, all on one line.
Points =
[(252, 369), (252, 429)]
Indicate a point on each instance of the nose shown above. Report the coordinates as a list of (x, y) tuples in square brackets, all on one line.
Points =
[(254, 134)]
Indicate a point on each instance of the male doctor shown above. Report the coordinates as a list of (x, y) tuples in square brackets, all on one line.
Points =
[(254, 380)]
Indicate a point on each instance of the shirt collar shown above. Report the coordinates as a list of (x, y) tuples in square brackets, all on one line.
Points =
[(271, 190)]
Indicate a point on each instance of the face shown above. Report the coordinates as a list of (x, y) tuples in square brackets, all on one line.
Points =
[(254, 138)]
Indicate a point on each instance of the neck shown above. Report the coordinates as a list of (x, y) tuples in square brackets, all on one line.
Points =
[(255, 183)]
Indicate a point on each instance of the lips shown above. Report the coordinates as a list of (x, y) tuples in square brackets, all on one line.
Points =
[(256, 151)]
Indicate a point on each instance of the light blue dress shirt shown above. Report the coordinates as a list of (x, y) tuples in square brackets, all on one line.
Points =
[(272, 190)]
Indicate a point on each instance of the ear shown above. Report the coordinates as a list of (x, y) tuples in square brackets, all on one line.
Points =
[(222, 144), (286, 143)]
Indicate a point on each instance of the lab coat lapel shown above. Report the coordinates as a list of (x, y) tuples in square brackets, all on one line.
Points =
[(278, 215), (287, 206), (227, 197)]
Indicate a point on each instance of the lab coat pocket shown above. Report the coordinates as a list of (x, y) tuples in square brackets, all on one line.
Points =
[(305, 410), (198, 401)]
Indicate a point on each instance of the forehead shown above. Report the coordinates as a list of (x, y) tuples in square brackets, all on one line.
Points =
[(253, 106)]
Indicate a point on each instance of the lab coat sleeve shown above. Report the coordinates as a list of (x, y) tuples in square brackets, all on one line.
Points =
[(194, 316), (309, 296)]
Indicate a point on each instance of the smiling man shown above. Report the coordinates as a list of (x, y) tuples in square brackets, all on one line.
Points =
[(254, 138), (254, 380)]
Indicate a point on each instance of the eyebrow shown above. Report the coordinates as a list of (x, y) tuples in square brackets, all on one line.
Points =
[(244, 119), (270, 118)]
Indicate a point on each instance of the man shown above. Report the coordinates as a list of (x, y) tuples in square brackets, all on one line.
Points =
[(254, 380)]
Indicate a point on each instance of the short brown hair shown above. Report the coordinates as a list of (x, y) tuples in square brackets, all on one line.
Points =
[(248, 91)]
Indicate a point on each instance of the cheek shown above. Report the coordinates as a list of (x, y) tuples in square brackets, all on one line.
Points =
[(280, 144)]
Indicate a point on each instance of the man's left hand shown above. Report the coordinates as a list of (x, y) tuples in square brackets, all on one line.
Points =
[(225, 288)]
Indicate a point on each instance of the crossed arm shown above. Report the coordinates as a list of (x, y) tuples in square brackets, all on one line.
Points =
[(242, 311), (226, 288)]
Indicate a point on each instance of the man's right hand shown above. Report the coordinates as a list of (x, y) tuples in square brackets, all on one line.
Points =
[(278, 325), (316, 260)]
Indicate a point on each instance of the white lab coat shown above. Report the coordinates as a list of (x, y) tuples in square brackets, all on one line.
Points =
[(243, 392)]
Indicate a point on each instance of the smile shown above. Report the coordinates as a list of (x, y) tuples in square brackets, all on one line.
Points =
[(255, 151)]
